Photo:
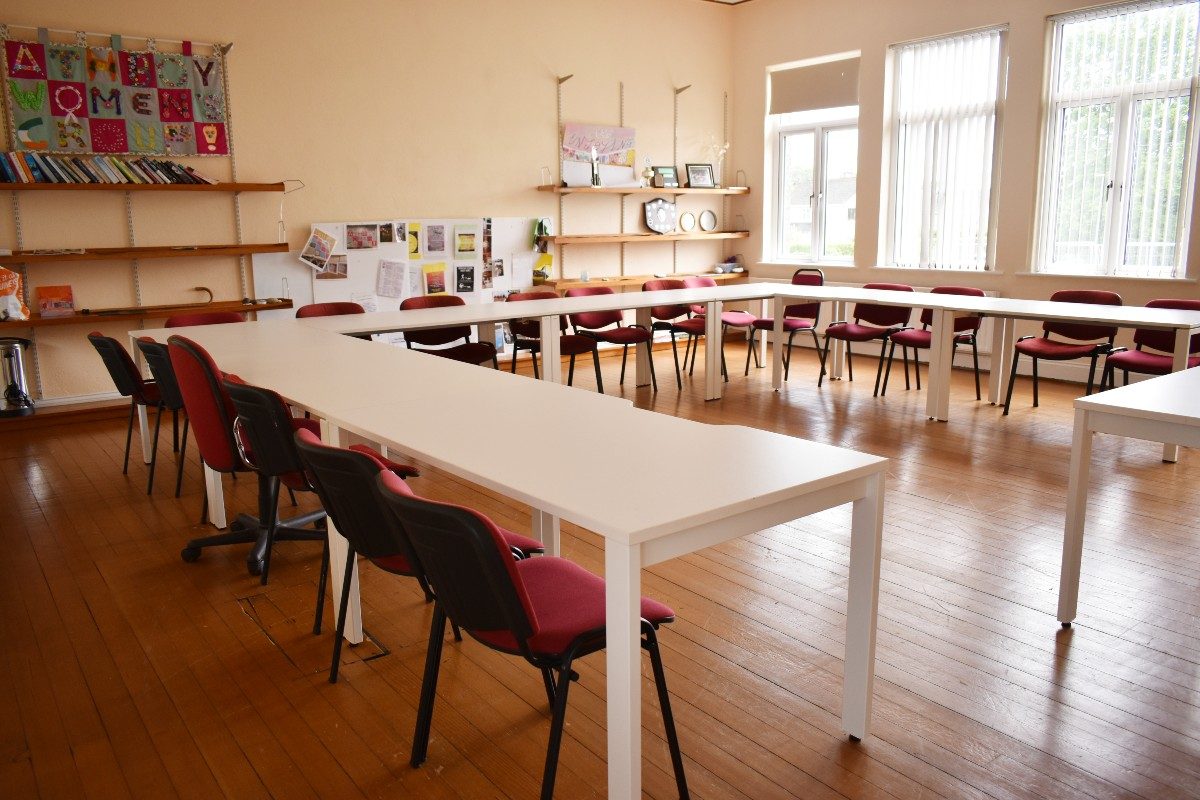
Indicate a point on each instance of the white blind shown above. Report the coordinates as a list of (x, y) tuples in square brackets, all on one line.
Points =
[(1119, 140), (944, 127), (831, 84)]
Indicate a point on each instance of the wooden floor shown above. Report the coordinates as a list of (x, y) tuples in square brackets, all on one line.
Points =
[(125, 672)]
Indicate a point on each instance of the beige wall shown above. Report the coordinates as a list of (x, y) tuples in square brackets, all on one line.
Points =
[(393, 108)]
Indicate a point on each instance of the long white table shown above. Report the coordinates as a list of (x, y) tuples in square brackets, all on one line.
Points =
[(588, 448), (1162, 409)]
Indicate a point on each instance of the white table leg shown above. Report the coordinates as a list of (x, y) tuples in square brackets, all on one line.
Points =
[(941, 349), (1183, 341), (837, 354), (764, 306), (551, 350), (487, 332), (643, 353), (545, 529), (622, 572), (778, 305), (339, 549), (1001, 361), (1077, 485), (862, 604), (713, 379), (216, 497), (144, 432)]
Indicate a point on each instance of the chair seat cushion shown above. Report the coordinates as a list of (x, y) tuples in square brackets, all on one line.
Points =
[(570, 344), (1146, 363), (789, 324), (150, 394), (922, 339), (626, 334), (693, 326), (853, 332), (567, 601), (1053, 350), (737, 319), (467, 352)]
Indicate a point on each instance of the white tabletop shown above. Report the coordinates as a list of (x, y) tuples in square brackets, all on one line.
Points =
[(1167, 398)]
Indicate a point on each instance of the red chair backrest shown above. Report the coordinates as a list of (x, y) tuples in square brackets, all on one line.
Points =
[(1079, 330), (435, 336), (591, 320), (670, 312), (208, 405), (329, 310), (698, 282), (971, 322), (204, 318), (531, 328), (121, 368), (1164, 340), (806, 276), (883, 316)]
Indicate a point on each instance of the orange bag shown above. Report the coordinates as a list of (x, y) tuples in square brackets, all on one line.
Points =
[(11, 304)]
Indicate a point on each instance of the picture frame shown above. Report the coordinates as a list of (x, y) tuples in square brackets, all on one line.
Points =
[(700, 176), (666, 177)]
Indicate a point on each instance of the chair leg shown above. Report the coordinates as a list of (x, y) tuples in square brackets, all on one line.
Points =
[(495, 362), (787, 354), (571, 371), (548, 682), (433, 659), (174, 430), (695, 341), (879, 369), (154, 449), (513, 367), (596, 364), (824, 359), (849, 362), (341, 622), (1107, 377), (1012, 379), (533, 357), (975, 362), (624, 355), (887, 373), (1126, 372), (129, 436), (322, 582), (904, 355), (649, 345), (724, 371), (1035, 384), (1092, 373), (820, 354), (749, 350), (650, 643), (182, 458), (917, 364), (675, 355), (556, 729)]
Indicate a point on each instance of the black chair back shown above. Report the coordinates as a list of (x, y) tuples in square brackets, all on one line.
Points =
[(264, 426), (119, 363), (158, 359)]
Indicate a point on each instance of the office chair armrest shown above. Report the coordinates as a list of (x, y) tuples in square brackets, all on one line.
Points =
[(1117, 350), (241, 448), (1023, 338)]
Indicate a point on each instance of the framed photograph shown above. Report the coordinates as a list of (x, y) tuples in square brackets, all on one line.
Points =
[(700, 176), (666, 177)]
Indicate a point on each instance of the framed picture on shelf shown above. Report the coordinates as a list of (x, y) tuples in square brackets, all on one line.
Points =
[(666, 177), (700, 176)]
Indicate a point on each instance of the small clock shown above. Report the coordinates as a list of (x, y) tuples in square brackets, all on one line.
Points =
[(661, 215)]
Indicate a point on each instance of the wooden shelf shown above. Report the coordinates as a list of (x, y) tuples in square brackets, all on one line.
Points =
[(641, 190), (143, 187), (160, 312), (635, 281), (113, 253), (641, 238)]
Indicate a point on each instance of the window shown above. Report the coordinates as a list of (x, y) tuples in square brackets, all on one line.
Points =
[(944, 120), (817, 188), (1119, 141)]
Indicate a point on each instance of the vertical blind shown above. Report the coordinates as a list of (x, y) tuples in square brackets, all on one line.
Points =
[(944, 128), (1119, 140)]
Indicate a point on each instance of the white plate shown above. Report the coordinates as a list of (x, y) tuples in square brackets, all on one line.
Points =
[(687, 221), (708, 221)]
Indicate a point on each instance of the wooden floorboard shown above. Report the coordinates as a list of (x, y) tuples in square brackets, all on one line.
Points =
[(126, 672)]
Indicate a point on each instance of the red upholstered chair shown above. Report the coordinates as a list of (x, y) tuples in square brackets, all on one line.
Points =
[(468, 352), (527, 335), (797, 317), (129, 382), (595, 324), (547, 610), (159, 362), (676, 318), (345, 482), (882, 321), (1083, 338), (965, 329), (729, 319), (203, 318), (211, 412), (329, 310), (1141, 361)]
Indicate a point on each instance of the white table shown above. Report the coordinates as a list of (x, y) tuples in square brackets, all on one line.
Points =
[(591, 448), (1162, 409)]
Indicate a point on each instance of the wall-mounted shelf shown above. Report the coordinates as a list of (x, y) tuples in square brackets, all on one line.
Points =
[(641, 190), (641, 238), (634, 281), (142, 187), (158, 312), (115, 253)]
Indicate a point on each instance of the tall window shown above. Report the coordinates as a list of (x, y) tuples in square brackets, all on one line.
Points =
[(943, 157), (1119, 140), (817, 189)]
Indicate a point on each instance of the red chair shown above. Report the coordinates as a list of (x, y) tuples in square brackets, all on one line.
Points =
[(798, 317), (883, 322), (594, 324), (329, 310), (729, 319), (468, 352), (1163, 341), (129, 382), (345, 482), (1043, 347), (546, 610), (668, 318), (212, 414), (965, 330), (159, 362), (527, 335), (203, 318)]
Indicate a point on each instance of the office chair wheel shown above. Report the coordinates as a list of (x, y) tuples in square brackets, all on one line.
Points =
[(254, 566), (190, 554)]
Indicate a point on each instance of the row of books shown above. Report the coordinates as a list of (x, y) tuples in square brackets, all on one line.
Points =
[(27, 167)]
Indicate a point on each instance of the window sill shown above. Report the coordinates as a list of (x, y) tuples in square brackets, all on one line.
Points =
[(817, 264), (1071, 276)]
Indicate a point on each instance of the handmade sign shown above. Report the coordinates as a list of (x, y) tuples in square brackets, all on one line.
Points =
[(65, 98)]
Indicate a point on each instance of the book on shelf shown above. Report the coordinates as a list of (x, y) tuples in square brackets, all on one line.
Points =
[(55, 301), (29, 167)]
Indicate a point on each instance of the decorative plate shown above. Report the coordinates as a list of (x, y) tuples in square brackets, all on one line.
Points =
[(708, 221), (687, 221), (661, 215)]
